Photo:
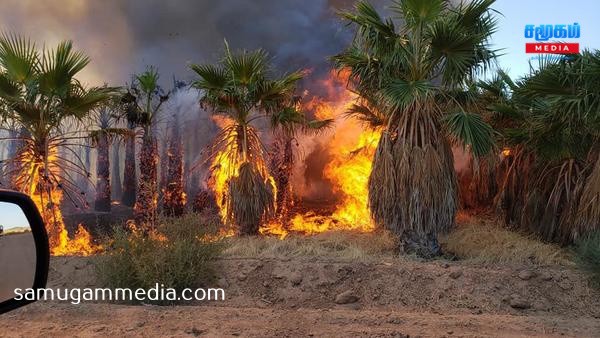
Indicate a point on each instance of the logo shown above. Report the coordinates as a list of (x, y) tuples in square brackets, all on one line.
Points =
[(547, 32)]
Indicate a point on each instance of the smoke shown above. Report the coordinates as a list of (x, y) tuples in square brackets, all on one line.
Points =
[(124, 37)]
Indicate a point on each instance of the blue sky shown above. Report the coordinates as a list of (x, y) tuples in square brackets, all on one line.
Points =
[(11, 216), (518, 13)]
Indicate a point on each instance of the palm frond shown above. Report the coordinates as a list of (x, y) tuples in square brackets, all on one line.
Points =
[(148, 80), (19, 57), (471, 131), (372, 118)]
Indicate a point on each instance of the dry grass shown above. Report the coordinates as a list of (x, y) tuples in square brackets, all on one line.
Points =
[(344, 245), (475, 240), (485, 241)]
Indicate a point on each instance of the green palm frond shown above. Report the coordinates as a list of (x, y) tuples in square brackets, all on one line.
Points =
[(418, 12), (316, 127), (18, 57), (148, 80), (470, 131), (41, 96), (80, 101), (58, 67), (211, 77), (247, 66), (400, 94), (363, 113), (286, 117), (9, 90), (367, 17)]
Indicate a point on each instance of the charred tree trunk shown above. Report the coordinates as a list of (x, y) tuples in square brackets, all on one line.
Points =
[(10, 167), (103, 174), (282, 164), (205, 202), (164, 169), (129, 176), (174, 195), (146, 203), (116, 184)]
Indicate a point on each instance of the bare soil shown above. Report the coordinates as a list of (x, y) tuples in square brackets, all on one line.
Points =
[(290, 297)]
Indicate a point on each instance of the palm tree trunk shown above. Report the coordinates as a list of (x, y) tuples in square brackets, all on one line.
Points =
[(145, 209), (129, 176), (174, 195), (85, 177), (116, 183), (103, 175), (412, 186), (163, 169), (10, 168), (282, 163)]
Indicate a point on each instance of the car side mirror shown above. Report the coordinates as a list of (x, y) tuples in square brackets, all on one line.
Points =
[(24, 250)]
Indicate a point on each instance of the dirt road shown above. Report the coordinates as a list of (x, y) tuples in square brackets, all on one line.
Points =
[(17, 263), (292, 298), (102, 320)]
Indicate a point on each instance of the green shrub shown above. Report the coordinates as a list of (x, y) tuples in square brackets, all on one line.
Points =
[(587, 252), (173, 256)]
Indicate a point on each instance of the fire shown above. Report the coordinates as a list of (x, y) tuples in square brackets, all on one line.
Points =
[(225, 166), (351, 150), (48, 203)]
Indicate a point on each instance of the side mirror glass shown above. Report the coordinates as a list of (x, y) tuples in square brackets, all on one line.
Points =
[(24, 252)]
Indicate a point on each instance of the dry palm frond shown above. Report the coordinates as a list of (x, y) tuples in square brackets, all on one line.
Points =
[(588, 212), (514, 174), (251, 198), (551, 201), (412, 188), (382, 186), (478, 183)]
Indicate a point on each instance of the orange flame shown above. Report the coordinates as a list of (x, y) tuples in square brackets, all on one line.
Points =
[(224, 168), (352, 149), (48, 204)]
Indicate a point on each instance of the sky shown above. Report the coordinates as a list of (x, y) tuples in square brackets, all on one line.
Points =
[(12, 216), (125, 36), (518, 13)]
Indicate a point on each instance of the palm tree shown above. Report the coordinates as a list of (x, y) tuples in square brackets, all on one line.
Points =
[(477, 176), (130, 115), (404, 76), (286, 125), (103, 194), (146, 99), (42, 96), (174, 198), (242, 89), (103, 137), (549, 184), (116, 183)]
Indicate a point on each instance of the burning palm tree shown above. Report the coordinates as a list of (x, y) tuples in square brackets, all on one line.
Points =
[(41, 95), (102, 138), (174, 195), (404, 76), (241, 89), (144, 101), (286, 126)]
